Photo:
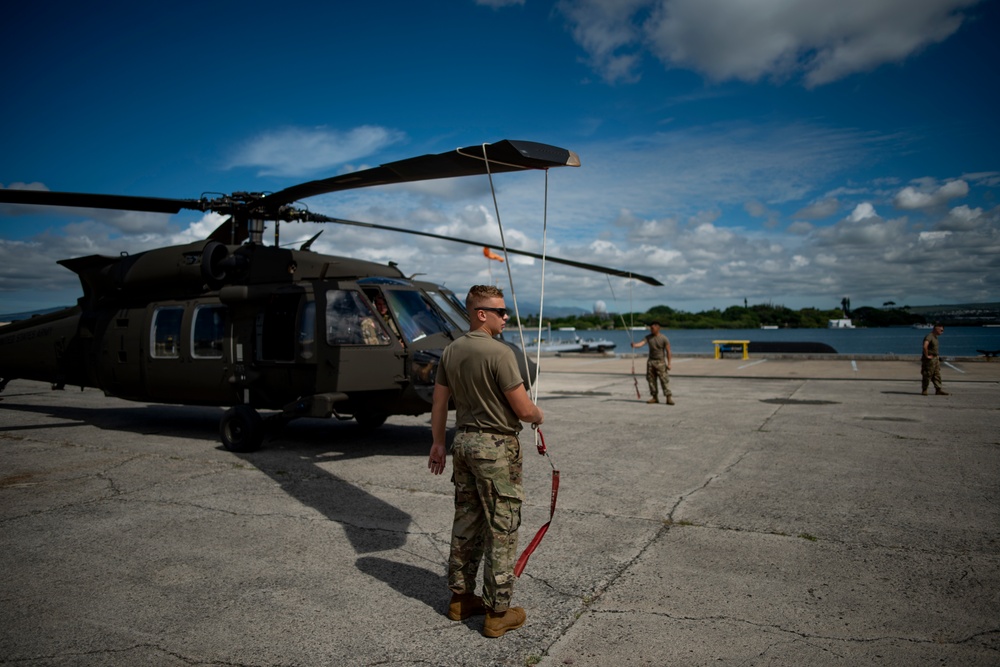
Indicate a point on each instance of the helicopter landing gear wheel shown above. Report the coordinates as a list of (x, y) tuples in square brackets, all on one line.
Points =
[(370, 419), (241, 429)]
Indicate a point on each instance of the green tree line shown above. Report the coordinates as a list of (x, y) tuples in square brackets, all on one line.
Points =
[(735, 317)]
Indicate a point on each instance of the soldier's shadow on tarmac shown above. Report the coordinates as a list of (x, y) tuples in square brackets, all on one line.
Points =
[(410, 580)]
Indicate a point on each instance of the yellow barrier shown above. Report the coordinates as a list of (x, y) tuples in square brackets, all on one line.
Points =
[(745, 344)]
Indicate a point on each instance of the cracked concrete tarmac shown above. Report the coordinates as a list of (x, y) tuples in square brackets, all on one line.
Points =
[(785, 518)]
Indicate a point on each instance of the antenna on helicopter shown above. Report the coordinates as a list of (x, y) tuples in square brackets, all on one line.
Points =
[(308, 244)]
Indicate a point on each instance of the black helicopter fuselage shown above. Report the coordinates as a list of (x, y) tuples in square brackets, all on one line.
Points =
[(231, 322), (278, 329)]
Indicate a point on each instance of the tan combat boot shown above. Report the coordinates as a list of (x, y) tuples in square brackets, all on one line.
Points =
[(465, 605), (670, 400), (497, 623), (653, 400)]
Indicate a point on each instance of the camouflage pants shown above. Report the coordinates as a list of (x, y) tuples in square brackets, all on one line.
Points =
[(488, 497), (930, 372), (657, 370)]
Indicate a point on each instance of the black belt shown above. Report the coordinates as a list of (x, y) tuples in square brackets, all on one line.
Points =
[(476, 429)]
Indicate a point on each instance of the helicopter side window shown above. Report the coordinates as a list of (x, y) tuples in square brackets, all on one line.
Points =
[(208, 332), (416, 316), (350, 321), (166, 332)]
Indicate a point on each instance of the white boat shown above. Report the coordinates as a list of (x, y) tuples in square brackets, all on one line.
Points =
[(839, 324), (550, 345), (596, 344), (769, 326), (556, 346)]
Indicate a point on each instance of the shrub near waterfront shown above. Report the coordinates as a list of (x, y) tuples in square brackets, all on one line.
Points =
[(734, 317)]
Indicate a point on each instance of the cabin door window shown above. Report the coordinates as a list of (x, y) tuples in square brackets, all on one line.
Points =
[(166, 332), (208, 332)]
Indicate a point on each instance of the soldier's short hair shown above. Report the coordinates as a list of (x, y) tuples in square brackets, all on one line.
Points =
[(479, 293)]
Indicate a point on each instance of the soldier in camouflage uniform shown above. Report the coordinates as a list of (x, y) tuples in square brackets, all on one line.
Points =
[(930, 362), (481, 376), (658, 363)]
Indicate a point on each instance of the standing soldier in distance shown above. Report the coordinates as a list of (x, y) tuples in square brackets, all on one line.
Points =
[(930, 362), (482, 377), (658, 363)]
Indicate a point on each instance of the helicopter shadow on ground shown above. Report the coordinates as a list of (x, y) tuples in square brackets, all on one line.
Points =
[(294, 465), (191, 423), (298, 458), (337, 440), (290, 458)]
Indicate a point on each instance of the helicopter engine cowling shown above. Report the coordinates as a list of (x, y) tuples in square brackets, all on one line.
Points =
[(193, 266)]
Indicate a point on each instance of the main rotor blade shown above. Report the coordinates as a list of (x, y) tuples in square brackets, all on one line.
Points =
[(503, 156), (315, 217), (83, 200)]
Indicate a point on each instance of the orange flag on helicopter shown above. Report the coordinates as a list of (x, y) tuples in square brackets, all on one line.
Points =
[(489, 254)]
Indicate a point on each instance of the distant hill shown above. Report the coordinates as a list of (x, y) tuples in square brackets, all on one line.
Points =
[(551, 310), (13, 317), (960, 313)]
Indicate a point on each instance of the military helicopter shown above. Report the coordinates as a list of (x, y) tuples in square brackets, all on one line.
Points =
[(231, 322)]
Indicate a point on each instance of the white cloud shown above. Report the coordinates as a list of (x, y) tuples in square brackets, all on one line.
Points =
[(862, 211), (820, 209), (932, 238), (962, 218), (819, 40), (929, 194), (300, 151), (606, 31)]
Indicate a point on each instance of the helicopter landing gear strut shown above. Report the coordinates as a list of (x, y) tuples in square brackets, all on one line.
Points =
[(241, 429)]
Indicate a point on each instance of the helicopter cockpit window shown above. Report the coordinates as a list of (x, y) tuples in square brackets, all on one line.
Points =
[(417, 318), (166, 332), (350, 321), (454, 313), (208, 332)]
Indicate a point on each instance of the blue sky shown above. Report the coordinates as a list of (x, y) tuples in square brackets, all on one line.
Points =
[(780, 151)]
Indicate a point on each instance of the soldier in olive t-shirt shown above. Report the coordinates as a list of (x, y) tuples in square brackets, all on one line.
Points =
[(481, 375)]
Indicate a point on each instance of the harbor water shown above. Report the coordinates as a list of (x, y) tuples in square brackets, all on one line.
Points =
[(955, 341)]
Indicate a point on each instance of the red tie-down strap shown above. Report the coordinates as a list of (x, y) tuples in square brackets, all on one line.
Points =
[(536, 540)]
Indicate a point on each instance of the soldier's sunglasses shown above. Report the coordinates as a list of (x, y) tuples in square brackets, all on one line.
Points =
[(501, 312)]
